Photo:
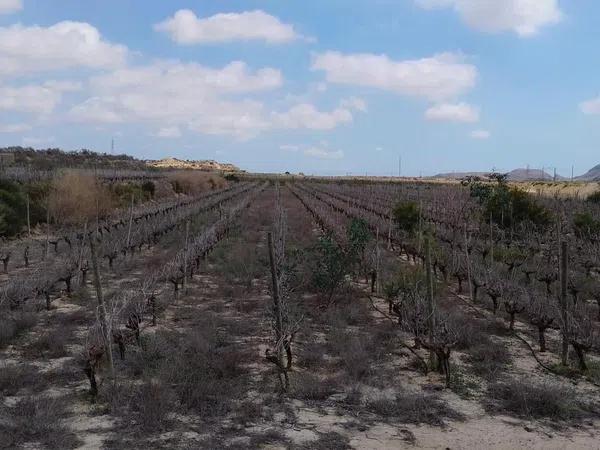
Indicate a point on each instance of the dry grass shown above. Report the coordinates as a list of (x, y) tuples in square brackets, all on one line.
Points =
[(36, 420), (416, 408), (76, 198), (51, 344), (11, 326), (194, 182), (535, 400)]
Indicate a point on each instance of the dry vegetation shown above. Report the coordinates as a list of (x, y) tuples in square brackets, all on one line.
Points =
[(304, 316)]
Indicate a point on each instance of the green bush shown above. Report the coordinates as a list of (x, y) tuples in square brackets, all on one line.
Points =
[(124, 191), (406, 216), (585, 224), (507, 206), (149, 188), (594, 198), (329, 268), (13, 206)]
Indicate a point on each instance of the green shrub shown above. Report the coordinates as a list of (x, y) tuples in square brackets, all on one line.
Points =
[(507, 206), (594, 198), (13, 207), (149, 188), (585, 224), (406, 216)]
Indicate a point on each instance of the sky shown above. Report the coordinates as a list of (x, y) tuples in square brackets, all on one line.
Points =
[(318, 86)]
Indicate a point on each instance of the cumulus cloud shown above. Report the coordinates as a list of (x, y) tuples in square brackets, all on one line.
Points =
[(524, 17), (436, 78), (289, 148), (480, 134), (66, 45), (14, 127), (186, 28), (323, 153), (307, 116), (201, 99), (354, 103), (10, 6), (169, 132), (590, 106), (29, 99), (452, 112), (35, 141)]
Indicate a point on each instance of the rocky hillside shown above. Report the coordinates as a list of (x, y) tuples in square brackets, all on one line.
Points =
[(592, 175), (206, 165), (531, 175)]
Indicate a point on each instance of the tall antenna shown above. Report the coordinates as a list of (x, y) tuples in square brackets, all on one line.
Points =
[(112, 146)]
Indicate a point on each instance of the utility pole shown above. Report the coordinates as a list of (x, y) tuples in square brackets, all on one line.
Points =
[(399, 166), (572, 173), (112, 146)]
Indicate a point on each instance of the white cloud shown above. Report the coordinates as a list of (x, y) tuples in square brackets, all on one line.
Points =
[(306, 115), (436, 78), (453, 112), (323, 153), (180, 94), (289, 148), (201, 99), (321, 87), (524, 17), (169, 132), (65, 45), (354, 103), (480, 134), (378, 149), (10, 6), (14, 127), (29, 99), (64, 86), (186, 28), (590, 106), (38, 141)]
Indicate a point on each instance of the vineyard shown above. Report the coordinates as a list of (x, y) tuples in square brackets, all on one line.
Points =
[(305, 314)]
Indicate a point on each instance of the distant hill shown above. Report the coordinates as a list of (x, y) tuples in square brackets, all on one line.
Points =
[(460, 175), (531, 175), (513, 175), (53, 158), (592, 175), (206, 165)]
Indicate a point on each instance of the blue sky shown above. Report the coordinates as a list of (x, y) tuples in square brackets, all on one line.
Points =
[(319, 86)]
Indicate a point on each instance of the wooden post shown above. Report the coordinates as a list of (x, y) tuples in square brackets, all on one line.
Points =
[(47, 227), (28, 215), (130, 222), (377, 262), (420, 239), (185, 253), (102, 308), (468, 259), (430, 300), (564, 261), (491, 241)]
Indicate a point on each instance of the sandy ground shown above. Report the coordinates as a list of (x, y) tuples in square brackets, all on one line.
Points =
[(94, 427)]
